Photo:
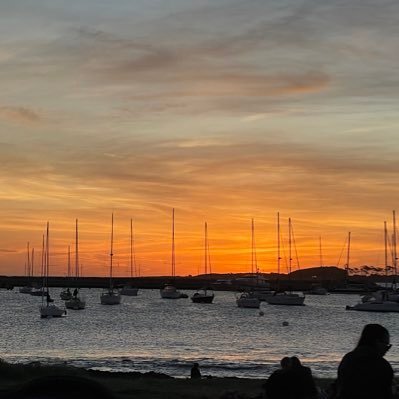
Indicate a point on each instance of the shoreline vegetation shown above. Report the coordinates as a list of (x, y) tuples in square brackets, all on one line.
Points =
[(140, 385)]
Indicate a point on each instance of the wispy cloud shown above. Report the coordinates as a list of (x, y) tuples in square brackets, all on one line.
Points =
[(19, 115), (8, 250)]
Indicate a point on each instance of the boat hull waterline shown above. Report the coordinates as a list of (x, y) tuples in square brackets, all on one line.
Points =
[(202, 298), (110, 298), (286, 300), (51, 311)]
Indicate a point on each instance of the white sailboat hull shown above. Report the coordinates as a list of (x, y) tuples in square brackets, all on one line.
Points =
[(253, 303), (51, 311), (110, 298), (376, 306), (286, 299)]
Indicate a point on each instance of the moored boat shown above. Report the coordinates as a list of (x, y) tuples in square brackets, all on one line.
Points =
[(76, 301), (169, 291), (48, 309), (286, 298), (203, 296), (317, 290), (129, 290), (111, 296), (247, 300), (376, 306)]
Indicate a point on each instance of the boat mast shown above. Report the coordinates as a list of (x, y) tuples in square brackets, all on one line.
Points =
[(32, 261), (278, 244), (253, 256), (42, 270), (173, 244), (28, 266), (47, 267), (77, 249), (321, 254), (206, 248), (111, 253), (394, 241), (69, 262), (348, 254), (131, 248), (290, 244), (386, 248)]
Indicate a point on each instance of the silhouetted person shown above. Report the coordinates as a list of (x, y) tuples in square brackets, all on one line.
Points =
[(303, 383), (278, 384), (195, 371), (75, 292), (292, 381), (364, 373)]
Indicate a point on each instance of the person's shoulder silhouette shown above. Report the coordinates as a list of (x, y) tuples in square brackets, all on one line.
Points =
[(279, 384), (302, 379), (364, 373)]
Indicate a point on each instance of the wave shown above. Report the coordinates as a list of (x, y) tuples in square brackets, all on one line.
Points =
[(179, 367)]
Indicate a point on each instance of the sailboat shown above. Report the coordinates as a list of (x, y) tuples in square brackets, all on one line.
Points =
[(111, 296), (27, 289), (317, 288), (381, 301), (48, 309), (77, 301), (36, 288), (129, 290), (169, 291), (204, 295), (248, 299), (285, 298), (66, 294)]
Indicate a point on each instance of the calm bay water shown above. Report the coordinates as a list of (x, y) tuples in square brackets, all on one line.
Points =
[(147, 333)]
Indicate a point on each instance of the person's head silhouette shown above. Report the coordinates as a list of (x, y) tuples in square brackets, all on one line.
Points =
[(376, 336)]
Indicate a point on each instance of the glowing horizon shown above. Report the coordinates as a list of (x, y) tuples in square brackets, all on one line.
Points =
[(225, 112), (230, 253)]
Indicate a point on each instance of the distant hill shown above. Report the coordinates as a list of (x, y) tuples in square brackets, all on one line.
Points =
[(320, 273)]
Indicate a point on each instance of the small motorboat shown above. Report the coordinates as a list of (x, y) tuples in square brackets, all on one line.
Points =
[(203, 296), (248, 300), (286, 298), (110, 297), (171, 292)]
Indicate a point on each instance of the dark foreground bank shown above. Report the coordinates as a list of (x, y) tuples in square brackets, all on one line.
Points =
[(136, 385)]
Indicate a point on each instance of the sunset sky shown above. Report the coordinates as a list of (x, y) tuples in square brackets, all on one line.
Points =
[(225, 110)]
